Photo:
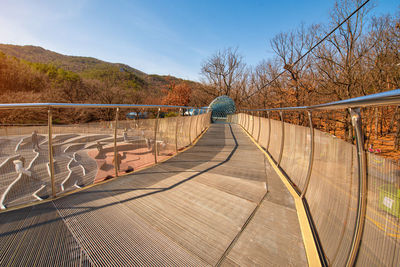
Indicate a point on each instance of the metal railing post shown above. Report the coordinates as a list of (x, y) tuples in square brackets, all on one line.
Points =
[(311, 157), (201, 122), (196, 127), (252, 127), (190, 127), (362, 187), (176, 130), (269, 130), (155, 136), (243, 119), (51, 161), (259, 126), (116, 155), (282, 139), (246, 127), (248, 122), (209, 117)]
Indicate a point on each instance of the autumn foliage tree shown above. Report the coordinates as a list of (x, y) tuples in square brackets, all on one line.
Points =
[(178, 94)]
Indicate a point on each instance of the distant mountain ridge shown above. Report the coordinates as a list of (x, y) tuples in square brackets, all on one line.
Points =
[(76, 64), (89, 67)]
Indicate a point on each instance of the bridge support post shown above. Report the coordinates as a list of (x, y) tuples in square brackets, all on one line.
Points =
[(176, 129), (282, 139), (51, 160), (362, 187), (116, 155), (155, 136), (311, 158)]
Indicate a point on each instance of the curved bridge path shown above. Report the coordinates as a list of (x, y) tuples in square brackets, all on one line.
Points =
[(207, 206)]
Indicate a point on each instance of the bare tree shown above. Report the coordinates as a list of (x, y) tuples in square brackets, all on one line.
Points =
[(339, 60), (289, 48), (225, 73)]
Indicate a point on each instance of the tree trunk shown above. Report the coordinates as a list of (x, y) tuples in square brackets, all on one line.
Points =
[(390, 129), (397, 137)]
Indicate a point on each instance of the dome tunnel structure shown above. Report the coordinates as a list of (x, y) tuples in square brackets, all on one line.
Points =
[(221, 107)]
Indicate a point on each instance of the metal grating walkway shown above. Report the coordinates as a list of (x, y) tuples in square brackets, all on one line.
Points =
[(188, 211)]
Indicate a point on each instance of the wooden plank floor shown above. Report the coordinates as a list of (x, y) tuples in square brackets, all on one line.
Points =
[(188, 211)]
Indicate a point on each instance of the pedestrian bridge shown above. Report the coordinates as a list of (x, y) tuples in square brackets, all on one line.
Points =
[(255, 190)]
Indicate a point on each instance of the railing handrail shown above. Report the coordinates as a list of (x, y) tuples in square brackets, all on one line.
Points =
[(79, 105), (385, 98)]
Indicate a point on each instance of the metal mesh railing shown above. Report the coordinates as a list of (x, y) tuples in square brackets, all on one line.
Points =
[(350, 189), (81, 154)]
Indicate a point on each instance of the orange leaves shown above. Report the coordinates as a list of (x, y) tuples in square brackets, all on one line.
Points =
[(178, 94)]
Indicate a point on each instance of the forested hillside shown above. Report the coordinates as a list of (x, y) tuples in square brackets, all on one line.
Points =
[(33, 74)]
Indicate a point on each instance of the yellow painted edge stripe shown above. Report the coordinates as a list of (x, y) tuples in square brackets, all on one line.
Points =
[(306, 232), (103, 182)]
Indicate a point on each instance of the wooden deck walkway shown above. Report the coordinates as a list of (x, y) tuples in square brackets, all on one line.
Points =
[(207, 206)]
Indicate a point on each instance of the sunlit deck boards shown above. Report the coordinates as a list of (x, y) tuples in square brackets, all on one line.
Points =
[(186, 211)]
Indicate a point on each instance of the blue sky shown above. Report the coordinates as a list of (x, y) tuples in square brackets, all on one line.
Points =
[(161, 37)]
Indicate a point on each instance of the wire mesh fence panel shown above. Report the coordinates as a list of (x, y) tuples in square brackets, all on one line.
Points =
[(82, 152), (233, 118), (193, 128), (380, 245), (199, 124), (276, 139), (296, 153), (247, 126), (239, 118), (166, 137), (236, 118), (256, 127), (202, 123), (381, 238), (243, 123), (264, 133), (250, 126), (206, 120), (135, 140), (183, 131), (332, 195), (24, 158)]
